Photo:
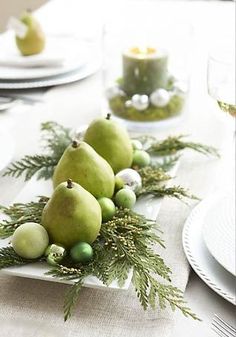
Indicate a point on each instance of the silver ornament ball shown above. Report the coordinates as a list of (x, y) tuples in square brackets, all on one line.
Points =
[(160, 98), (113, 92), (128, 104), (140, 102), (131, 178)]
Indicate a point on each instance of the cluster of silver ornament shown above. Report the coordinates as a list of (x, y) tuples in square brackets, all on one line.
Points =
[(159, 98), (131, 179)]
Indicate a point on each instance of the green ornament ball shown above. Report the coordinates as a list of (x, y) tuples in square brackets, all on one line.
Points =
[(30, 240), (119, 183), (136, 144), (81, 252), (51, 260), (108, 208), (125, 198), (141, 158), (55, 254)]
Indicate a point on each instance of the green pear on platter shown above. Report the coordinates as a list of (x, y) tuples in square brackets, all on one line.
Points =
[(34, 40), (85, 166), (111, 141), (71, 215)]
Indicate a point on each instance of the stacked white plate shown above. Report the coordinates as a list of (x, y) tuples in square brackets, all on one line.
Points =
[(65, 59), (209, 243)]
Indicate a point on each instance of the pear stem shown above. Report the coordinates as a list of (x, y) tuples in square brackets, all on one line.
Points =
[(69, 183), (75, 143), (108, 117)]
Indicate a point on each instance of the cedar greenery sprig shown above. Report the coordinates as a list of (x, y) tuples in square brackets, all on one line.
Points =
[(9, 258), (55, 139), (161, 191), (152, 175), (166, 163), (173, 145), (125, 243), (28, 166), (19, 213)]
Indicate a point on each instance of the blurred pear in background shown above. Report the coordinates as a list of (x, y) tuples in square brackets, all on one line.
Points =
[(15, 8)]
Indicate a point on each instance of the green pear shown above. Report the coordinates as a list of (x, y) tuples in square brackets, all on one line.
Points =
[(34, 40), (71, 215), (82, 164), (111, 141)]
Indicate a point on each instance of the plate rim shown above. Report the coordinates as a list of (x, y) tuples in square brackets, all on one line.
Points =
[(197, 267), (216, 198), (81, 73)]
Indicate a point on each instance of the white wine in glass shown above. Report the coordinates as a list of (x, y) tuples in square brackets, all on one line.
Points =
[(229, 108)]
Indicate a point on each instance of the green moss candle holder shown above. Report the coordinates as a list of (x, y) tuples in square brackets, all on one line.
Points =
[(152, 113), (161, 104), (145, 74)]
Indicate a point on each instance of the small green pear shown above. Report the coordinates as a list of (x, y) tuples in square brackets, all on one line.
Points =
[(82, 164), (71, 215), (34, 40), (111, 141)]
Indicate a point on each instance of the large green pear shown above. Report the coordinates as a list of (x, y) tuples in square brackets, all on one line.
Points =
[(72, 214), (34, 40), (81, 163), (111, 141)]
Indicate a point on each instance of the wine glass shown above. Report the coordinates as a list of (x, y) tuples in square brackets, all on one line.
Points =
[(221, 87), (221, 80)]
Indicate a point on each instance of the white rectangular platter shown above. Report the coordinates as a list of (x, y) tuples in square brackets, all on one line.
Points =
[(147, 206)]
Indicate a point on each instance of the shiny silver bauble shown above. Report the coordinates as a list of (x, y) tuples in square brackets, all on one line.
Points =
[(160, 98), (131, 178), (140, 102)]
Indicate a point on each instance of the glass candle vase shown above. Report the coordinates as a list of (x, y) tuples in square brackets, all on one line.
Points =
[(146, 73)]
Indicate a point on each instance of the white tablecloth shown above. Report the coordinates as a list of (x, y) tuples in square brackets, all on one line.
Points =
[(72, 105)]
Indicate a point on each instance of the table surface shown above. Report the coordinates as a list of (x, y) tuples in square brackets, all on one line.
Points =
[(212, 21)]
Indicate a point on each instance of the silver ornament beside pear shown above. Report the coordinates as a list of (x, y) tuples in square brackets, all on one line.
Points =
[(131, 179)]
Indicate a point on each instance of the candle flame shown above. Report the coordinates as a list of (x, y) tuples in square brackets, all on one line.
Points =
[(143, 50)]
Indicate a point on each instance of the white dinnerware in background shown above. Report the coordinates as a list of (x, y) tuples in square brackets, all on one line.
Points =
[(199, 225)]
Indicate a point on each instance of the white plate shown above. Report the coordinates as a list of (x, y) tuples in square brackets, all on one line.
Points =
[(88, 69), (203, 263), (219, 230), (37, 270), (147, 206), (6, 152), (61, 55)]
